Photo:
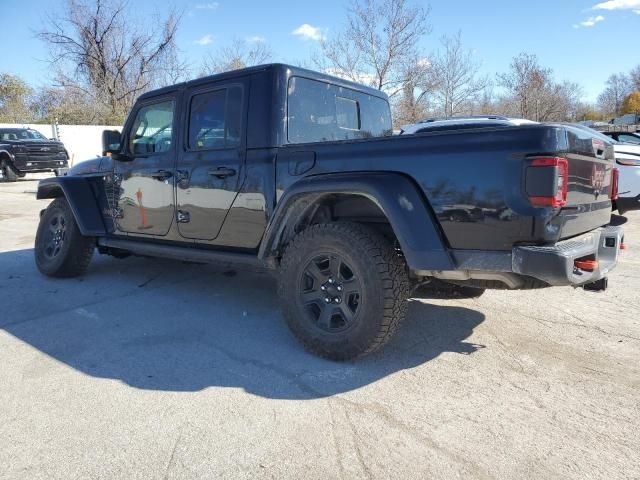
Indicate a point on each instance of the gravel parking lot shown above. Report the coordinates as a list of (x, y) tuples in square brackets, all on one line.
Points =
[(158, 369)]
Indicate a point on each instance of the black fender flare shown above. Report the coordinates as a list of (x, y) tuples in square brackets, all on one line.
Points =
[(408, 212), (83, 203)]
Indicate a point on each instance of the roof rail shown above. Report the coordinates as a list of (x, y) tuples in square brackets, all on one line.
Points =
[(471, 117)]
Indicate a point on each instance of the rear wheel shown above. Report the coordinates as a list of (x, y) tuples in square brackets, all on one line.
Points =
[(7, 173), (60, 248), (343, 289)]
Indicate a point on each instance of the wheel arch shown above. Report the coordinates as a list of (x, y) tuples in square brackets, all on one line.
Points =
[(392, 196), (80, 196)]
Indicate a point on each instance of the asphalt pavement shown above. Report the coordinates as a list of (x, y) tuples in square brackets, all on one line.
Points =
[(156, 369)]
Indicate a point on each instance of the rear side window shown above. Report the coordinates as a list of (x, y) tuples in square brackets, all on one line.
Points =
[(319, 112), (347, 113), (215, 119)]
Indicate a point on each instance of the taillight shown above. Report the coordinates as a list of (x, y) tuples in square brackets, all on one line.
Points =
[(613, 189), (547, 181)]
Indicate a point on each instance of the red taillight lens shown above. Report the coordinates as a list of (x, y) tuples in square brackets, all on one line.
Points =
[(613, 195), (547, 182)]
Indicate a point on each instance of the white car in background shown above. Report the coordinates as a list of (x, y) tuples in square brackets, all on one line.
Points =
[(628, 160), (628, 163), (624, 137), (462, 123)]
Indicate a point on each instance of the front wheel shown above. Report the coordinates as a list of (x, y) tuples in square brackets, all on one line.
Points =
[(60, 249), (343, 289)]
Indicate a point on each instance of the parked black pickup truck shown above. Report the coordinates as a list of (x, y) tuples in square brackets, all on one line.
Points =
[(297, 171), (23, 150)]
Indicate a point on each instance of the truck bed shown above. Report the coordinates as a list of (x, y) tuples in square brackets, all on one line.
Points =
[(474, 180)]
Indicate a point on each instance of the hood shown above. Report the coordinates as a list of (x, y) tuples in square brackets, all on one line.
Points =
[(627, 148), (92, 167)]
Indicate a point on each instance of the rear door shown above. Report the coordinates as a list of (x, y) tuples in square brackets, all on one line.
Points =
[(146, 194), (211, 166)]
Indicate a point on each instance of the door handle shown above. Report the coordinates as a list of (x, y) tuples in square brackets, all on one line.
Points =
[(222, 172), (161, 175)]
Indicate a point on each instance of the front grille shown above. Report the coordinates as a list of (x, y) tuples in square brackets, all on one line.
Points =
[(44, 151)]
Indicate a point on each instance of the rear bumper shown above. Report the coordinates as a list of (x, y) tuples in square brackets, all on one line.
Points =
[(536, 266), (555, 264)]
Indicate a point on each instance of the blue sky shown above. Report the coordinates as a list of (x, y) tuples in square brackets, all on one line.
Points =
[(579, 42)]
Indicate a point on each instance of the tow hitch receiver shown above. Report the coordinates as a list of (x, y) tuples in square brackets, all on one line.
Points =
[(597, 286)]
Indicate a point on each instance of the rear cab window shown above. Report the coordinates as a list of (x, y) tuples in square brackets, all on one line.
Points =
[(321, 112)]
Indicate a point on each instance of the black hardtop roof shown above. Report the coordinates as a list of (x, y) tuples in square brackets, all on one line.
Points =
[(294, 71)]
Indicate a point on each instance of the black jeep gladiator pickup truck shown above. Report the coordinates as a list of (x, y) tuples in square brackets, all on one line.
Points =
[(23, 150), (297, 171)]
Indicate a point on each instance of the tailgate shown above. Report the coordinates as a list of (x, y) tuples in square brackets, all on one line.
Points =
[(591, 162)]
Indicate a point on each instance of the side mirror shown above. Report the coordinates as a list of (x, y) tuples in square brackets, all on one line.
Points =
[(112, 145)]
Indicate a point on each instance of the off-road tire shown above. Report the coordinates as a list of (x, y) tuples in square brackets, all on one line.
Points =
[(8, 173), (71, 255), (381, 304)]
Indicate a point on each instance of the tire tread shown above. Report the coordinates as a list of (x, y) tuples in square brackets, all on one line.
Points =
[(390, 266)]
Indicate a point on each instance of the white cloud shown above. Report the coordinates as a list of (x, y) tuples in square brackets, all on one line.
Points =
[(205, 40), (207, 6), (590, 22), (309, 32), (617, 5), (637, 11), (256, 39)]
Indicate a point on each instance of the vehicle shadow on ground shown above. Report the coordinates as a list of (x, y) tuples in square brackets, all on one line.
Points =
[(162, 325)]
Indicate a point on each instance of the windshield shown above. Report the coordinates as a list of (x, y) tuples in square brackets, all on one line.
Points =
[(20, 134)]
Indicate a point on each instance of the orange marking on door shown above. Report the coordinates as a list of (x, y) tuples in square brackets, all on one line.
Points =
[(143, 212)]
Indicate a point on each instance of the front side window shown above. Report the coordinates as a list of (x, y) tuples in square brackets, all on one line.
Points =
[(319, 112), (215, 119), (152, 129)]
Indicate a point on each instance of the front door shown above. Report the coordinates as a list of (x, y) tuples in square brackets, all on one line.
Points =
[(211, 167), (146, 194)]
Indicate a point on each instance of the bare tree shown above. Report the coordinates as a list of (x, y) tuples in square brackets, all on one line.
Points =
[(238, 54), (455, 83), (634, 75), (99, 49), (409, 109), (486, 103), (15, 99), (525, 83), (534, 94), (611, 100), (68, 106), (380, 39)]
